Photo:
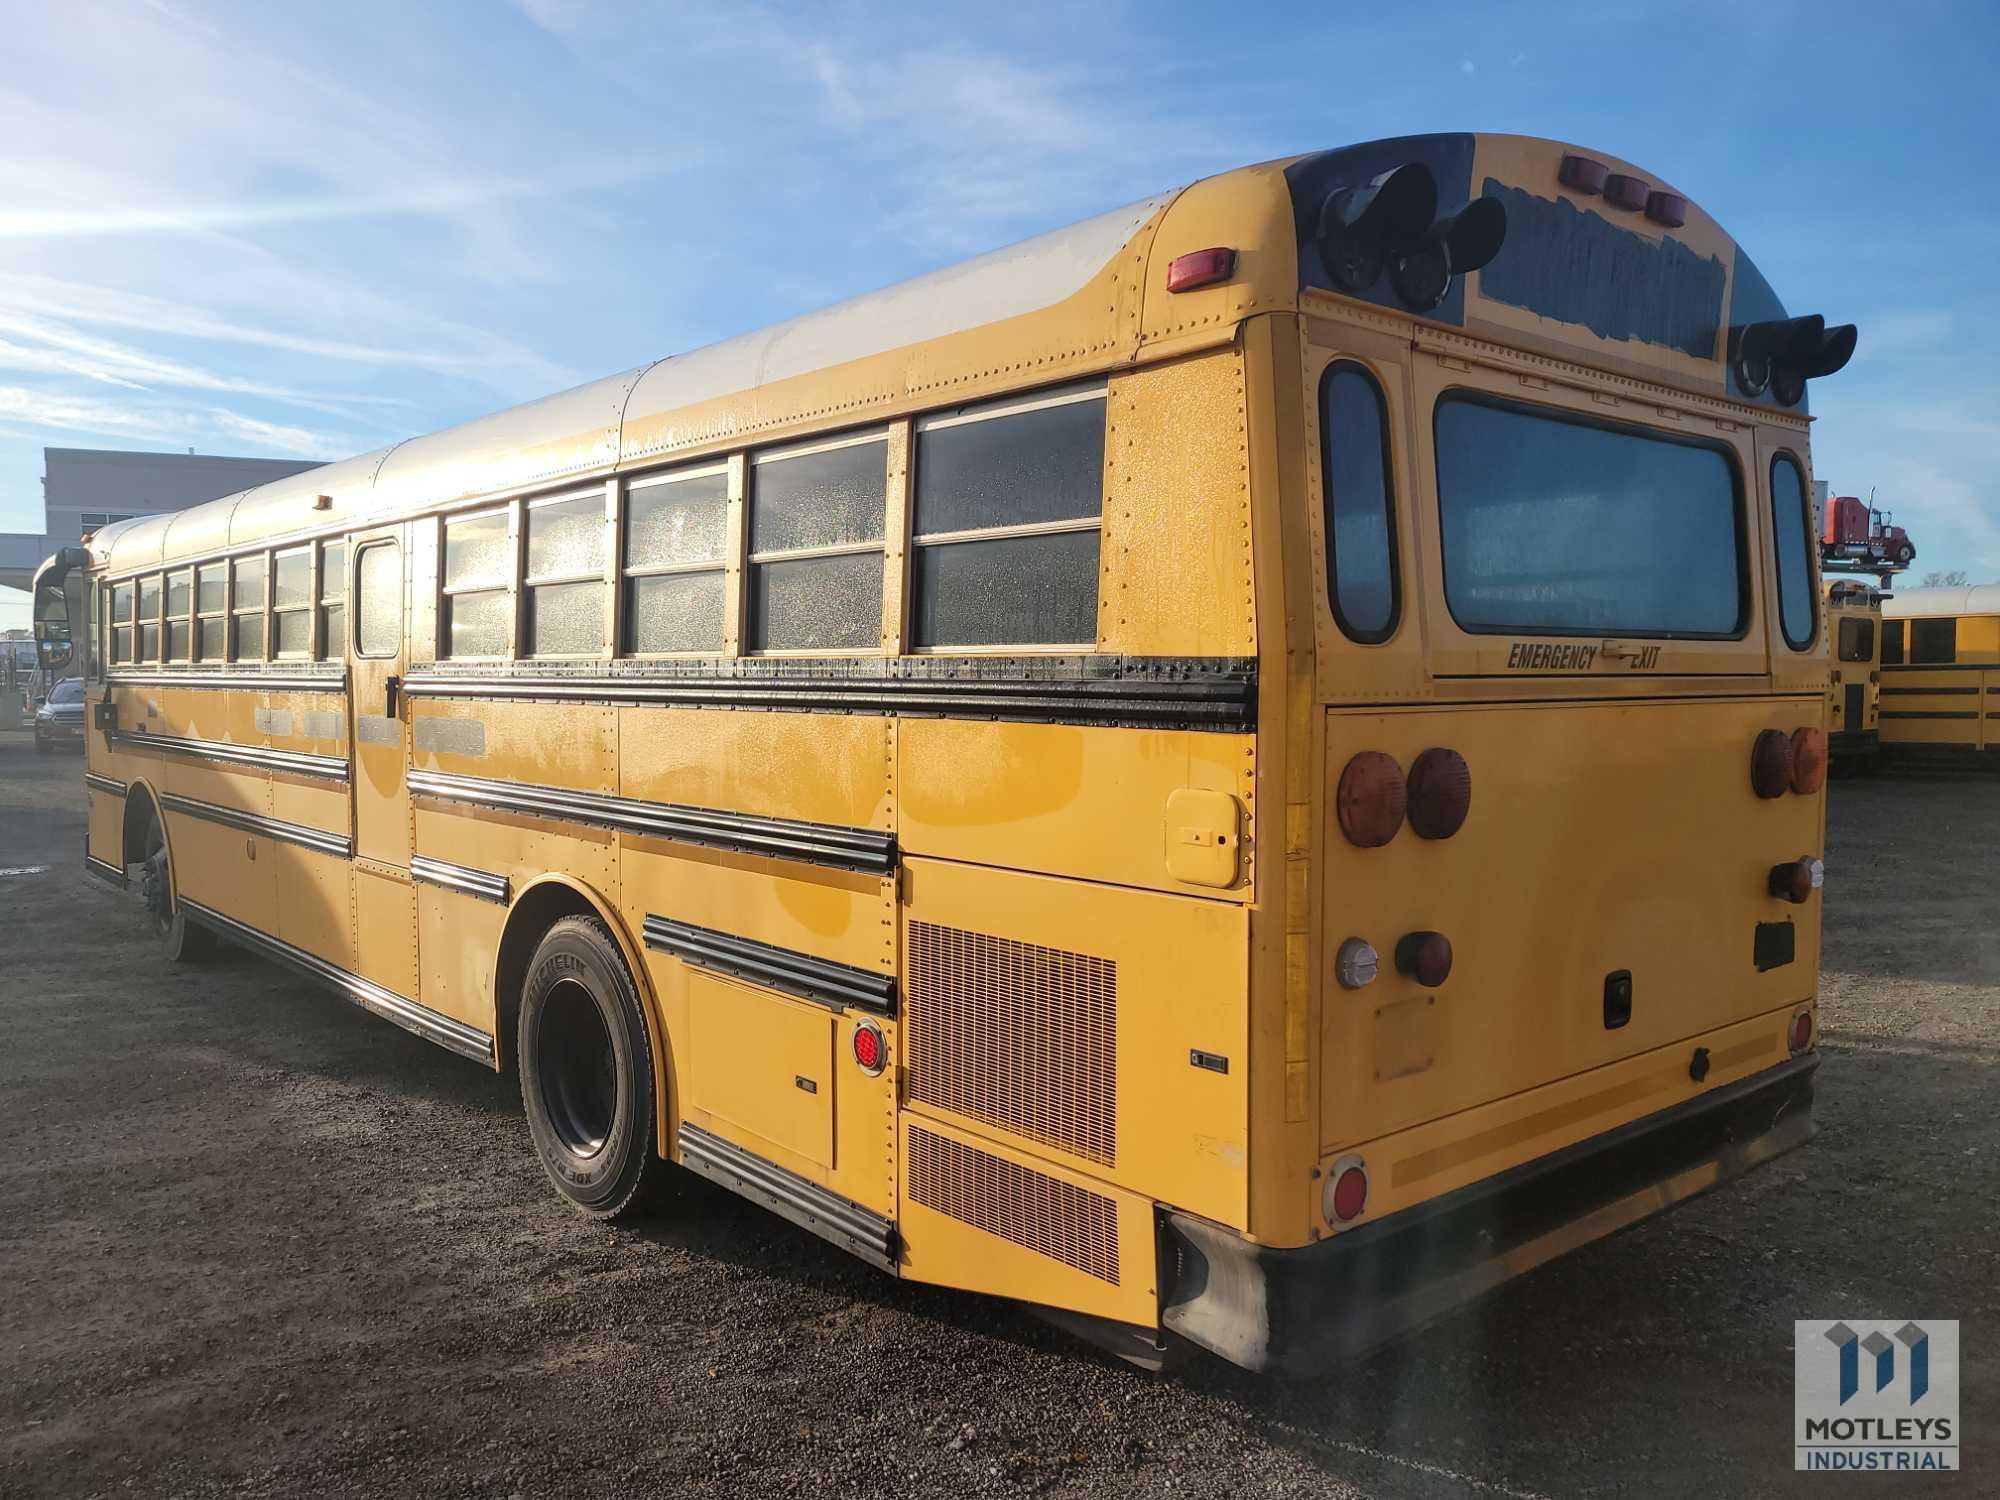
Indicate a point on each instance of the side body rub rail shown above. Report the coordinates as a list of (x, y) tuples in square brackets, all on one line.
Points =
[(1146, 692), (285, 680), (290, 833), (454, 1036), (296, 762), (461, 878), (820, 980), (860, 1231), (103, 784), (864, 849)]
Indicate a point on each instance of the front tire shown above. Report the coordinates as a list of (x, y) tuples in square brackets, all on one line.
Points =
[(588, 1078), (181, 941)]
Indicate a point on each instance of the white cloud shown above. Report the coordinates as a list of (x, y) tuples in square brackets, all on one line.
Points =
[(144, 422)]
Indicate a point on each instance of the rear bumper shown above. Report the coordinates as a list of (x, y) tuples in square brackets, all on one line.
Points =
[(1304, 1311)]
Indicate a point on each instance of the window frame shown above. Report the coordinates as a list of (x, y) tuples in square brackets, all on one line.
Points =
[(360, 549), (733, 515), (238, 609), (1807, 531), (1473, 396), (202, 616), (1393, 536), (990, 411), (310, 608), (754, 561), (510, 588), (156, 624), (325, 648), (524, 624), (130, 588)]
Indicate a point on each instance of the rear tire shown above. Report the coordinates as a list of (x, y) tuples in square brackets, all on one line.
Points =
[(588, 1078), (182, 941)]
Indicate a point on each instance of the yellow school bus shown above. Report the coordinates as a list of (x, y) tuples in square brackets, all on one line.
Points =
[(1239, 772), (1854, 628), (1941, 676)]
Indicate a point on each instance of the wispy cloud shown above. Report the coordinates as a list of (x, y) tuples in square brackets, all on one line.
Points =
[(169, 424)]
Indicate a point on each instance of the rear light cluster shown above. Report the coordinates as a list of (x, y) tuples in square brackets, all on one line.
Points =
[(1796, 879), (1200, 268), (1374, 797), (1372, 802), (1622, 190), (1794, 762), (871, 1049), (1800, 1036), (1345, 1196)]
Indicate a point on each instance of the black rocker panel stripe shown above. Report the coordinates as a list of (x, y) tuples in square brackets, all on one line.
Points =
[(866, 849), (821, 980)]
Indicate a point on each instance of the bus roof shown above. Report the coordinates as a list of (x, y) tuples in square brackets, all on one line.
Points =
[(1922, 604), (1074, 301)]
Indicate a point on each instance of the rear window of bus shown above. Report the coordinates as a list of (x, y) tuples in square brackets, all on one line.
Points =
[(1557, 525)]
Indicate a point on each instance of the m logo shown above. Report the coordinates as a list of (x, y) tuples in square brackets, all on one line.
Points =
[(1881, 1359), (1875, 1395)]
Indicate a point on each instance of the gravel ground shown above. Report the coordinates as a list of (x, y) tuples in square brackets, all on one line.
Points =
[(256, 1242)]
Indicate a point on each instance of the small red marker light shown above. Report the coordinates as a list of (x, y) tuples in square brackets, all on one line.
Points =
[(871, 1048), (1347, 1191), (1670, 209), (1624, 191), (1802, 1031), (1200, 268), (1582, 174), (1424, 957)]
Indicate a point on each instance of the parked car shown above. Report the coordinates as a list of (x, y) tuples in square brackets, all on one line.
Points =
[(59, 721)]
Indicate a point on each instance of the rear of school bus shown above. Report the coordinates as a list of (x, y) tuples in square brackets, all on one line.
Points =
[(1553, 698), (1854, 632)]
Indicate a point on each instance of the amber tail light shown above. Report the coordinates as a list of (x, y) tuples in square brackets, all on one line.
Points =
[(1808, 760), (1440, 793), (1371, 799), (1771, 764)]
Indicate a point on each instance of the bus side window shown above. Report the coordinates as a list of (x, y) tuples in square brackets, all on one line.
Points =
[(817, 514), (378, 612), (122, 647), (1857, 640), (1892, 643), (1008, 507), (1361, 579), (1933, 641), (478, 569), (1789, 534)]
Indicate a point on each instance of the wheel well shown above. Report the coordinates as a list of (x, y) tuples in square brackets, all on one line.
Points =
[(533, 915), (139, 812)]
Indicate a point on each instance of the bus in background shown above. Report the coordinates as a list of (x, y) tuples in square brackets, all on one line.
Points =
[(1239, 773), (1941, 677), (1854, 626)]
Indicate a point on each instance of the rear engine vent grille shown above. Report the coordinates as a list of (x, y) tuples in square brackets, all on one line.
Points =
[(1017, 1035), (1032, 1209)]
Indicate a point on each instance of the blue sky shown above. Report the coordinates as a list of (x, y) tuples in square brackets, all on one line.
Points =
[(314, 229)]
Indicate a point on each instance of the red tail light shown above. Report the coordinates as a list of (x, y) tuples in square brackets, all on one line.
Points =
[(1771, 764), (1582, 174), (1440, 793), (1346, 1190), (1796, 879), (871, 1048), (1371, 799), (1425, 957), (1625, 191), (1808, 760), (1200, 268), (1802, 1031)]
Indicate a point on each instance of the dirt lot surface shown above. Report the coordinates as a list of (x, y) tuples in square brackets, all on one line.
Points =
[(255, 1242)]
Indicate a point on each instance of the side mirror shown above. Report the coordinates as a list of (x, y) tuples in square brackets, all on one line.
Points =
[(55, 644)]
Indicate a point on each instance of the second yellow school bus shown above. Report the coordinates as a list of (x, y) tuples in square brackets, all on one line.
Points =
[(1854, 629), (1240, 772), (1941, 677)]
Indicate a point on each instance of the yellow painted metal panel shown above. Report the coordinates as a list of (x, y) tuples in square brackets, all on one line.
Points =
[(953, 1251), (107, 826), (760, 1071), (458, 938), (838, 914), (545, 744), (822, 768), (224, 868), (1174, 577), (520, 848), (315, 901), (310, 801), (864, 1121), (1181, 986), (1411, 1166), (385, 924), (1601, 837), (1061, 798)]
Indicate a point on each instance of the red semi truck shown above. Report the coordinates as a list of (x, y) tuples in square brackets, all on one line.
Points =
[(1859, 538)]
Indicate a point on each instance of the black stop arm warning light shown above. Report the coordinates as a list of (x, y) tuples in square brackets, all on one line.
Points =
[(1783, 354), (1391, 223)]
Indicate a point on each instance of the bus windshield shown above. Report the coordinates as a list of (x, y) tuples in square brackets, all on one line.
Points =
[(1562, 526)]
